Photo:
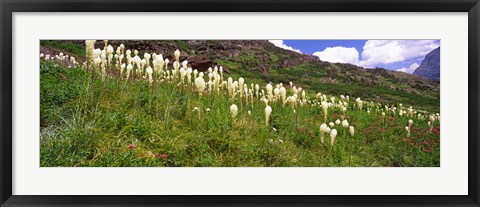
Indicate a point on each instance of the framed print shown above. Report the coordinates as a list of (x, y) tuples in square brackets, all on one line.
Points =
[(263, 103)]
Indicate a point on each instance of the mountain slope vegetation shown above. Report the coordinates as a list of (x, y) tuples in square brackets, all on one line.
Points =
[(264, 62)]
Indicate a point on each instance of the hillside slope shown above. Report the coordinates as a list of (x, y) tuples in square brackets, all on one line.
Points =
[(262, 61)]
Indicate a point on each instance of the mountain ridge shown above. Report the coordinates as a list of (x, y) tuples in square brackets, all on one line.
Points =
[(430, 67)]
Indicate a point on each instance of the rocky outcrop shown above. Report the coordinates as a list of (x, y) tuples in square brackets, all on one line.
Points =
[(202, 54), (430, 67)]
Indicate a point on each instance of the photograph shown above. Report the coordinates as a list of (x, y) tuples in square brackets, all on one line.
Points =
[(240, 103)]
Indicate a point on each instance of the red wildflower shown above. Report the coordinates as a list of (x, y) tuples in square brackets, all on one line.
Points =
[(131, 146), (155, 155), (427, 149), (163, 156)]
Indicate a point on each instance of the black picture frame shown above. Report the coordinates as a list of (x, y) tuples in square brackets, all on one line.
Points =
[(7, 7)]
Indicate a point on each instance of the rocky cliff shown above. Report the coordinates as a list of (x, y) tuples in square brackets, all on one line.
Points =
[(430, 67)]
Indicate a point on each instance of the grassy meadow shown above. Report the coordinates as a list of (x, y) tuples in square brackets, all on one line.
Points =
[(100, 113)]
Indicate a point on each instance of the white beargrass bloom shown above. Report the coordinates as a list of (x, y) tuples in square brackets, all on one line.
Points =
[(129, 69), (137, 62), (283, 93), (120, 58), (408, 131), (431, 120), (233, 110), (200, 84), (230, 86), (269, 88), (185, 64), (147, 58), (331, 124), (337, 122), (249, 112), (183, 73), (166, 63), (265, 100), (122, 68), (333, 134), (195, 73), (410, 122), (110, 49), (241, 81), (176, 65), (149, 72), (268, 111), (89, 47), (345, 123), (293, 100), (276, 92), (359, 103), (110, 57), (97, 61), (189, 75), (96, 53), (323, 130), (210, 86), (177, 55), (352, 131), (325, 108)]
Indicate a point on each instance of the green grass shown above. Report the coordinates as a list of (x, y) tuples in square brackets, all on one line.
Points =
[(72, 48), (315, 79), (92, 123)]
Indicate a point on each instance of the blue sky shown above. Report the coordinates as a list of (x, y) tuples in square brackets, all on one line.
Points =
[(400, 55)]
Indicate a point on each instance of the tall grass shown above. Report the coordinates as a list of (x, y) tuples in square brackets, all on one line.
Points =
[(90, 122)]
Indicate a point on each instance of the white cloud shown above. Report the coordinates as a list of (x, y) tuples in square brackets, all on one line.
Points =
[(377, 52), (410, 69), (281, 44), (338, 55), (380, 52)]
